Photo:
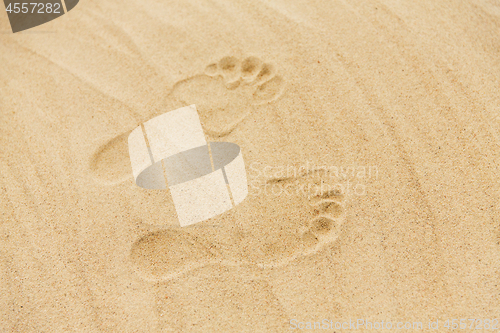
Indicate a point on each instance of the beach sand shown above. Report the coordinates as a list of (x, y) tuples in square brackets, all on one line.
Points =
[(394, 102)]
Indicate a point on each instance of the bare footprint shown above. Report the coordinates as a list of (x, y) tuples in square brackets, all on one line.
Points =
[(229, 91), (166, 254), (225, 94), (290, 218), (111, 161), (297, 217)]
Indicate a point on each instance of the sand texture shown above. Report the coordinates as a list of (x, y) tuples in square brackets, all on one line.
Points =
[(397, 102)]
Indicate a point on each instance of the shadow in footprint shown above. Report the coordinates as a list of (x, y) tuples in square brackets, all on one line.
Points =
[(111, 162), (167, 254)]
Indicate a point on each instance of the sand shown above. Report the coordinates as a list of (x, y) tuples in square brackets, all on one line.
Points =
[(396, 102)]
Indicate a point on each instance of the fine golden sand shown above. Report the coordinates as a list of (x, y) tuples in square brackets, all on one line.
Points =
[(396, 103)]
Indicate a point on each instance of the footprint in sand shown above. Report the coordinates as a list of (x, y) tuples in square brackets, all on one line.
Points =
[(224, 95), (229, 91), (111, 161), (289, 218)]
